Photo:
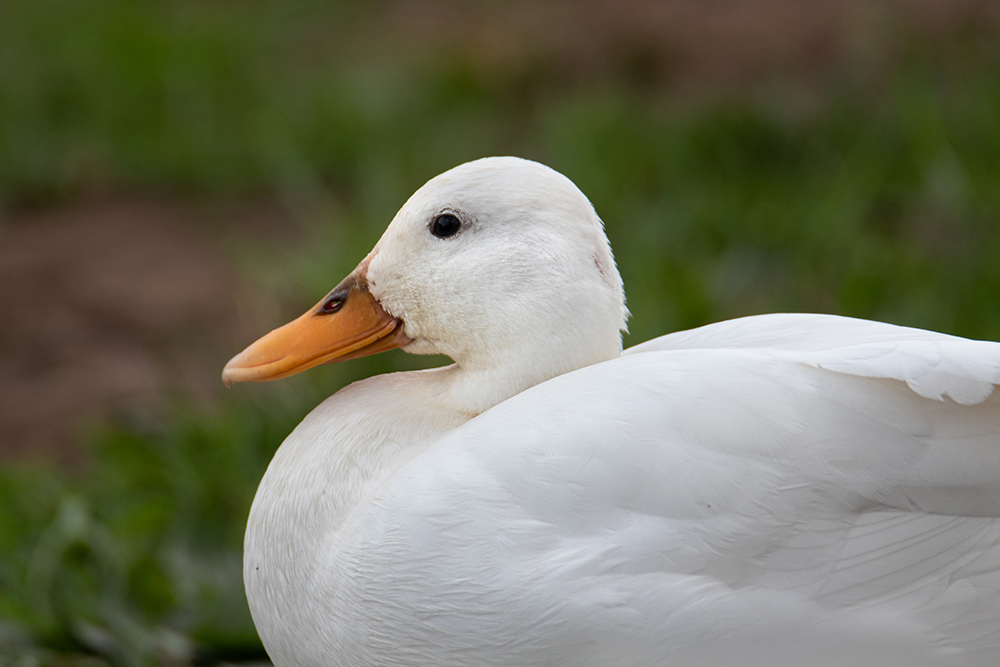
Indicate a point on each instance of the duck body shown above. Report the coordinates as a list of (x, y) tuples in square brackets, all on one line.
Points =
[(781, 487)]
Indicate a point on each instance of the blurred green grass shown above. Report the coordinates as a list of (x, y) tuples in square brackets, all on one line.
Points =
[(871, 194)]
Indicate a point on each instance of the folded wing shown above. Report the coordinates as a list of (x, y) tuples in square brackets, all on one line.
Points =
[(784, 478)]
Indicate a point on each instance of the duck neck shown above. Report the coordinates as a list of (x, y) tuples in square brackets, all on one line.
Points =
[(476, 384)]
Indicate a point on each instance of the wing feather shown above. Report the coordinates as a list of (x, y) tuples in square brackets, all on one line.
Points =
[(933, 365)]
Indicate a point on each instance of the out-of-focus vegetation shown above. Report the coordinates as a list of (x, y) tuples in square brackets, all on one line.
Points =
[(870, 192)]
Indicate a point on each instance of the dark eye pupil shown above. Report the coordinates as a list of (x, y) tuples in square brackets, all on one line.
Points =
[(445, 225)]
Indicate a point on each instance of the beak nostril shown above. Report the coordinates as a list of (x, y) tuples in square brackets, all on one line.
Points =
[(333, 303), (331, 306)]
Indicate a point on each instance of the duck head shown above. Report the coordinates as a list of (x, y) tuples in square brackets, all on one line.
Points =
[(501, 264)]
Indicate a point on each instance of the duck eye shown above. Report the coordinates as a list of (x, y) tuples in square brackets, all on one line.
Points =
[(445, 225)]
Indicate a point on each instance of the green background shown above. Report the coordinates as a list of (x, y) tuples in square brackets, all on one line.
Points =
[(866, 183)]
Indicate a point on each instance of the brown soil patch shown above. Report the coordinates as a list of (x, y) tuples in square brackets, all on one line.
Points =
[(113, 304)]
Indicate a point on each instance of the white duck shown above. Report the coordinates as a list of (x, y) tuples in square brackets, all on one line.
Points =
[(774, 487)]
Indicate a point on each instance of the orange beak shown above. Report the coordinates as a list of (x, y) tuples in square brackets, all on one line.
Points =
[(348, 323)]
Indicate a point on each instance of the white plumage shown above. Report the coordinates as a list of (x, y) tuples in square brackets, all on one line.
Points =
[(774, 489)]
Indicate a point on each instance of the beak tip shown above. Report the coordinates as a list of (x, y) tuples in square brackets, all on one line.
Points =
[(231, 372)]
